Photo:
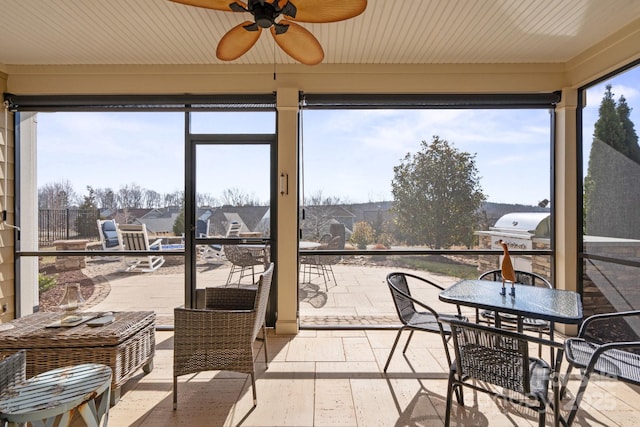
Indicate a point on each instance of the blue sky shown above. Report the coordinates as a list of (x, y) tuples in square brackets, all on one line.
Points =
[(348, 154)]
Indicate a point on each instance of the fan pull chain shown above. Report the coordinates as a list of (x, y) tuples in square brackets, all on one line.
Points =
[(302, 180)]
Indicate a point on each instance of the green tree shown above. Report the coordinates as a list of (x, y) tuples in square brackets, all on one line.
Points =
[(87, 214), (611, 199), (178, 225), (437, 195), (629, 135), (608, 128)]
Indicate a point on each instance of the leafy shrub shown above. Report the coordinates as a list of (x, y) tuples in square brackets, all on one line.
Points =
[(385, 239), (362, 234), (46, 282)]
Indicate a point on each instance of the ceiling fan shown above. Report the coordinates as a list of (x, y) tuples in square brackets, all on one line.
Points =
[(294, 39)]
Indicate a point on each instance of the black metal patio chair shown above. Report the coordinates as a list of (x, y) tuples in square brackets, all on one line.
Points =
[(496, 361), (618, 360), (423, 318)]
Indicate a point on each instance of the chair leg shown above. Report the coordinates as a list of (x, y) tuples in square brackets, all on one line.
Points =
[(330, 270), (578, 398), (393, 348), (540, 346), (459, 390), (542, 410), (253, 385), (264, 333), (404, 350), (551, 336), (175, 393), (231, 272), (447, 413), (325, 277), (564, 381)]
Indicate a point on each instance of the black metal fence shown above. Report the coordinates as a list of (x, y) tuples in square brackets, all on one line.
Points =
[(67, 224)]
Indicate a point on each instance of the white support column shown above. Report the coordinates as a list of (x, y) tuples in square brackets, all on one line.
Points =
[(27, 287), (566, 196), (287, 104)]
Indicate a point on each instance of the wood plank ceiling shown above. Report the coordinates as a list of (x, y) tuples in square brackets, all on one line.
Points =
[(388, 32)]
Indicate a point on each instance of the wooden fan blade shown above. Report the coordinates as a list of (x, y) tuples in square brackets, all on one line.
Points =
[(299, 43), (315, 11), (213, 4), (237, 41)]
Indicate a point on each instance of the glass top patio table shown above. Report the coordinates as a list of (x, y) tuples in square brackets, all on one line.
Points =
[(553, 305)]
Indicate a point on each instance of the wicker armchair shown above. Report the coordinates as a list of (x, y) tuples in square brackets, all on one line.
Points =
[(243, 261), (619, 360), (413, 320), (488, 359), (13, 370), (221, 336)]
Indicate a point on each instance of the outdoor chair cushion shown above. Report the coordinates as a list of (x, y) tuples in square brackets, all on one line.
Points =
[(110, 234)]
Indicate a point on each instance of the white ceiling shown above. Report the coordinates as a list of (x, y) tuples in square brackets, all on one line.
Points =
[(388, 32)]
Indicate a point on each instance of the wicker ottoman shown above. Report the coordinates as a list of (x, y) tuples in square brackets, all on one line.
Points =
[(125, 345)]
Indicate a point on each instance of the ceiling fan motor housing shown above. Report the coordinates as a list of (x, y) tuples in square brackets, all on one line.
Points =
[(264, 14)]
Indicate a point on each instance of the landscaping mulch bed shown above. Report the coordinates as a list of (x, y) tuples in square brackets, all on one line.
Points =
[(50, 299)]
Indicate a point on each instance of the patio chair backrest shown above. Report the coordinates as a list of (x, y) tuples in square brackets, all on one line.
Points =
[(108, 233), (404, 306), (202, 228), (492, 356), (134, 236), (522, 277), (234, 229)]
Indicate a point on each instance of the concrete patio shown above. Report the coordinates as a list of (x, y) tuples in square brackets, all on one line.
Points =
[(324, 377), (358, 296), (335, 378)]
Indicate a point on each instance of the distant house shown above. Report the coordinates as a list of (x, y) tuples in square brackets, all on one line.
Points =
[(126, 215), (251, 218), (319, 218), (160, 221)]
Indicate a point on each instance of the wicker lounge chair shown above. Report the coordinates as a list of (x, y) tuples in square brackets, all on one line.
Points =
[(496, 361), (221, 336), (619, 360), (134, 237), (426, 320)]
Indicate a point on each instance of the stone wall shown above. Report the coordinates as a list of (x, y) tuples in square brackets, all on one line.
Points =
[(608, 286), (64, 262)]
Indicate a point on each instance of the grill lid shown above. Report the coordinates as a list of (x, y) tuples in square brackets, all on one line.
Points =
[(533, 223)]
